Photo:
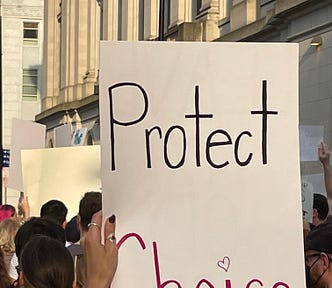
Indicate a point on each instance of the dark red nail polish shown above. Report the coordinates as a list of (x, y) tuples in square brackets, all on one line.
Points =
[(112, 219)]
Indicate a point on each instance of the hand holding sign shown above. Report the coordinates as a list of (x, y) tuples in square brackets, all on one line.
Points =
[(101, 260)]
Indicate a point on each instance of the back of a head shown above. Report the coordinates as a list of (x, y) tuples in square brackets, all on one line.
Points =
[(37, 226), (71, 230), (7, 211), (320, 238), (321, 205), (8, 230), (89, 204), (45, 263), (55, 210)]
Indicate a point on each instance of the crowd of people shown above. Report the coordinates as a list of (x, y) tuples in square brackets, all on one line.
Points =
[(46, 251), (318, 233)]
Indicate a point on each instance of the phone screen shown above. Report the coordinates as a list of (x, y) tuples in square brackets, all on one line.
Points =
[(21, 196)]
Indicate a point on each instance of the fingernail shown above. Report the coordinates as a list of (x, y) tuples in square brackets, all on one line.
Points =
[(112, 219)]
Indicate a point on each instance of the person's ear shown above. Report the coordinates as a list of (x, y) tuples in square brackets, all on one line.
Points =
[(64, 224), (314, 213), (326, 260), (79, 219), (21, 280)]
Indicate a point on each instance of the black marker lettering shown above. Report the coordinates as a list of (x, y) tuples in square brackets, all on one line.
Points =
[(114, 121), (197, 116), (236, 150), (168, 133), (210, 144), (147, 143), (264, 112)]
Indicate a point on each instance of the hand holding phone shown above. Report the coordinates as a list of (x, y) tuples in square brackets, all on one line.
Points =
[(20, 199)]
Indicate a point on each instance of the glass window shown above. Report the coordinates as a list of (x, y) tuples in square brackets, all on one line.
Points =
[(30, 33), (30, 84)]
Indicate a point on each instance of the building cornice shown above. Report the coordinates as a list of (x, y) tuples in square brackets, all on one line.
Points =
[(274, 21), (63, 107)]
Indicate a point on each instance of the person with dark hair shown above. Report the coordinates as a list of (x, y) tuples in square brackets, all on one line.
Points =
[(89, 204), (35, 226), (71, 230), (38, 226), (55, 210), (45, 262), (318, 256), (320, 209)]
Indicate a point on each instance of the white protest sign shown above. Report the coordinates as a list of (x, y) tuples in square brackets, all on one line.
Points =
[(25, 135), (307, 192), (311, 137), (63, 135), (200, 163)]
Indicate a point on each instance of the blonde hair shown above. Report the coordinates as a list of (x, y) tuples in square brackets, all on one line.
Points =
[(8, 230)]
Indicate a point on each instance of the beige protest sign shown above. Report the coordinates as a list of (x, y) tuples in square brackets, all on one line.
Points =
[(64, 174)]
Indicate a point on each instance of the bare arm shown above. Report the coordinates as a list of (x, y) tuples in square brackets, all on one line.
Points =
[(324, 158), (24, 206)]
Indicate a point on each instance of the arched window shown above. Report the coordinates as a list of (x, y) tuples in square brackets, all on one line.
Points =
[(89, 140), (50, 143)]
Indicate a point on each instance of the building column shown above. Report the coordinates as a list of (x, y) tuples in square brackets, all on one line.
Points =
[(110, 20), (130, 13), (51, 51), (151, 19), (244, 12)]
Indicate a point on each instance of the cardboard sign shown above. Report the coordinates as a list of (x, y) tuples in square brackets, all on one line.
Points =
[(200, 163), (64, 174)]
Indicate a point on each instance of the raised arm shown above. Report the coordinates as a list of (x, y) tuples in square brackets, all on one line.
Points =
[(324, 158), (24, 207)]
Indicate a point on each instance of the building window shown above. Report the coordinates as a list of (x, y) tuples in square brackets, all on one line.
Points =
[(30, 84), (141, 20), (30, 33), (196, 6)]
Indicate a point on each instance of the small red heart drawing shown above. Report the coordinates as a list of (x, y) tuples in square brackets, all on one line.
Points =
[(224, 263)]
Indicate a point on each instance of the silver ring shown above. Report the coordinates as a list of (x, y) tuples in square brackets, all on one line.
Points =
[(111, 237), (93, 224)]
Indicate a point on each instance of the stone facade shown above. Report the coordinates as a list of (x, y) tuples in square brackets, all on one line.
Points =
[(73, 30)]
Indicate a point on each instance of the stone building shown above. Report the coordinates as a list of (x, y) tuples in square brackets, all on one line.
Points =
[(73, 30), (22, 46)]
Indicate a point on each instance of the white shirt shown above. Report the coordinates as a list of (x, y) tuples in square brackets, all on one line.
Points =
[(12, 267)]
